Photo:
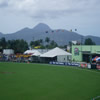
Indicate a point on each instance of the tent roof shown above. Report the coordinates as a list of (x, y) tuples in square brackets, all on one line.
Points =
[(33, 52), (29, 51), (55, 52), (36, 53)]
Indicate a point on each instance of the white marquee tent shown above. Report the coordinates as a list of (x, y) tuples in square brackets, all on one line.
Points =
[(33, 52), (61, 55)]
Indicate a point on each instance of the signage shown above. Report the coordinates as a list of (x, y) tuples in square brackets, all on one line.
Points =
[(98, 66), (66, 63), (76, 51)]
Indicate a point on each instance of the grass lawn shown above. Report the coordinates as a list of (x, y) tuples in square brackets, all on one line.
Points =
[(20, 81)]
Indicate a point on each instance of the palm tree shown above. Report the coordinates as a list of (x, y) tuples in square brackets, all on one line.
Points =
[(47, 39)]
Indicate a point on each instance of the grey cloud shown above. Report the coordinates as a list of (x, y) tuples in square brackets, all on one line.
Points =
[(3, 4), (42, 9), (55, 13)]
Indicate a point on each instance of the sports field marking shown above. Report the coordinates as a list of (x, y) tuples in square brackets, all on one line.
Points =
[(7, 72)]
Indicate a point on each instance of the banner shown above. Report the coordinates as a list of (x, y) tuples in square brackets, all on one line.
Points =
[(65, 63)]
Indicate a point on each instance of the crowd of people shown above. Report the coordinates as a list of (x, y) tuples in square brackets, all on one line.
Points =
[(14, 58)]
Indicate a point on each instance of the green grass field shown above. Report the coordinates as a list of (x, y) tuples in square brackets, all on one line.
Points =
[(20, 81)]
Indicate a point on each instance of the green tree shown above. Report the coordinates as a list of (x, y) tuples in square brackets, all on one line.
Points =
[(47, 39), (3, 43), (89, 41), (35, 43), (70, 45), (49, 44), (41, 41), (52, 44), (31, 43), (21, 46)]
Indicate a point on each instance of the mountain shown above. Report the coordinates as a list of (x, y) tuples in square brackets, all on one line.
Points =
[(1, 34), (41, 31), (41, 27)]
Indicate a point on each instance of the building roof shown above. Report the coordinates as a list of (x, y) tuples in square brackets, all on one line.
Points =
[(55, 52)]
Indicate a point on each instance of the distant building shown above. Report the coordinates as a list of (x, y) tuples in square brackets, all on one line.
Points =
[(68, 48), (75, 42), (85, 53), (8, 51)]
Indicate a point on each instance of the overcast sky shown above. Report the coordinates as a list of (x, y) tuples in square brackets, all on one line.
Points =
[(83, 15)]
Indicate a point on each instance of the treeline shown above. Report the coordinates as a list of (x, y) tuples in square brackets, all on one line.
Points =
[(43, 44), (20, 45), (89, 41)]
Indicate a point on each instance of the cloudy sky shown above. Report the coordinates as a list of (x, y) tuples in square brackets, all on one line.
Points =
[(83, 15)]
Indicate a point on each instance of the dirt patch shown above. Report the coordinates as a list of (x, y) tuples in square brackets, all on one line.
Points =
[(7, 72)]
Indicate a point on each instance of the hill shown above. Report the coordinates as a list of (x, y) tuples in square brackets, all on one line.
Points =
[(41, 31)]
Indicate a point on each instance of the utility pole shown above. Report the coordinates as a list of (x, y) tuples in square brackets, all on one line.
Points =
[(81, 40), (81, 47), (91, 54)]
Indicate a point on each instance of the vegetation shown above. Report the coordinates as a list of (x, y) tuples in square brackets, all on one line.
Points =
[(46, 82), (48, 44), (19, 46), (89, 41)]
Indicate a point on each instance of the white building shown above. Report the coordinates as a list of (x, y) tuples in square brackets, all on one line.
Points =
[(8, 51)]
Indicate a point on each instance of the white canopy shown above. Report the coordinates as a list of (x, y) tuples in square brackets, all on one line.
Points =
[(55, 52), (33, 52), (36, 53), (29, 52)]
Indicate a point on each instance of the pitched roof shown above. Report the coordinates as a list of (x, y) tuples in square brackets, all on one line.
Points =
[(36, 53), (33, 52), (55, 52)]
